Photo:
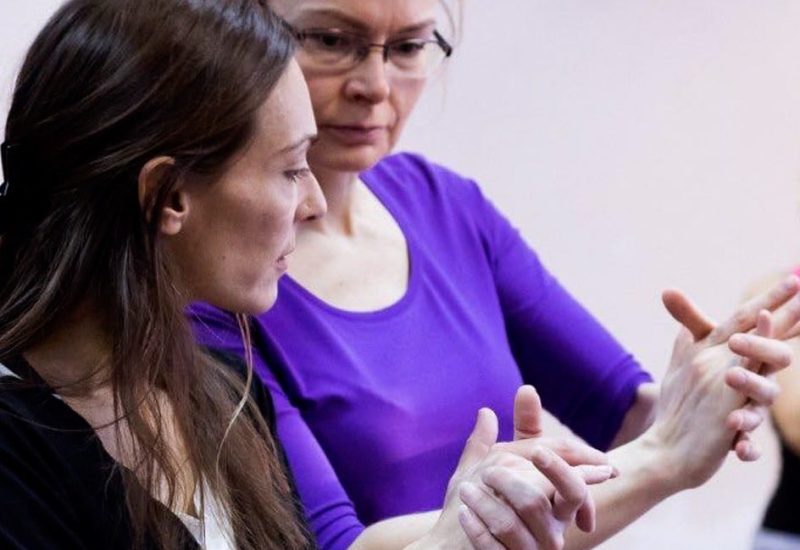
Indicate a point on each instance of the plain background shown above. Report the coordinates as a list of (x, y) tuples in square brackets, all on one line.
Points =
[(637, 145)]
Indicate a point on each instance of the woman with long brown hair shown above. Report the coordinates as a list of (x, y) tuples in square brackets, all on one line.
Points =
[(135, 152)]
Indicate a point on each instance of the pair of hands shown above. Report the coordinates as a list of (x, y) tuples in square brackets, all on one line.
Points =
[(524, 494)]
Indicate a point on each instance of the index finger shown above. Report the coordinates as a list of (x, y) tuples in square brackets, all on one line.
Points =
[(744, 319), (574, 452), (567, 482), (785, 320)]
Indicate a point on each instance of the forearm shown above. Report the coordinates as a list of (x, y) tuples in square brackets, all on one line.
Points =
[(409, 532), (640, 416), (645, 480)]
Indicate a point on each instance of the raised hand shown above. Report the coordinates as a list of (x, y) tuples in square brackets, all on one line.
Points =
[(698, 411), (752, 379)]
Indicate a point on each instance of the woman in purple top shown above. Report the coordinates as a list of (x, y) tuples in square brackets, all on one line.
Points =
[(413, 303)]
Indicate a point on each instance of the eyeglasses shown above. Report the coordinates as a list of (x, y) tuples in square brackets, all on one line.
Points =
[(335, 51)]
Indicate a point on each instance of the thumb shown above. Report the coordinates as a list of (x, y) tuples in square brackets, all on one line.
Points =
[(687, 313), (527, 413), (483, 436)]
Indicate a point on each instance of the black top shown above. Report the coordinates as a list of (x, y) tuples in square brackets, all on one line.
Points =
[(783, 513), (59, 488)]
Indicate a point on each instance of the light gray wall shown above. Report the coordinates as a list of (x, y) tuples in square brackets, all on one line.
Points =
[(637, 145)]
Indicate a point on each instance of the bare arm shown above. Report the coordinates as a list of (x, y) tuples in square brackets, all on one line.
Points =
[(644, 481), (640, 416), (400, 532)]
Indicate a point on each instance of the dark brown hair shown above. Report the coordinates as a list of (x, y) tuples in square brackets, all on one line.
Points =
[(106, 86)]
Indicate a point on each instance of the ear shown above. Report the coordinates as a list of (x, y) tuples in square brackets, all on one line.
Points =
[(176, 206)]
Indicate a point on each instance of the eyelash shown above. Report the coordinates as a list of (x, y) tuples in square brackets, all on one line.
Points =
[(295, 175)]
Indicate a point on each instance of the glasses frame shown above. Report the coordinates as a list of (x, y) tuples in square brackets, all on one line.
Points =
[(364, 47)]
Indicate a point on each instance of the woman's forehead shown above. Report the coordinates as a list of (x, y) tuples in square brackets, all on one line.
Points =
[(366, 16)]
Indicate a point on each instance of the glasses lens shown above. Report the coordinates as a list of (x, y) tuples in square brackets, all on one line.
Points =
[(416, 58), (329, 49)]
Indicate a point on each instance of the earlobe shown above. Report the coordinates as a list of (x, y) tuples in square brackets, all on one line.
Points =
[(176, 206), (174, 212)]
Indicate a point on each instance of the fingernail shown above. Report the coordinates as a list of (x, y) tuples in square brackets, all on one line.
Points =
[(739, 376), (605, 470), (789, 282)]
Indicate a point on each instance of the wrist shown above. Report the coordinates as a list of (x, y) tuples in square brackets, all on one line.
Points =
[(649, 462), (445, 534)]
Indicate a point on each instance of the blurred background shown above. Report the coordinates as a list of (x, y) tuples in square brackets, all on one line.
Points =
[(638, 145)]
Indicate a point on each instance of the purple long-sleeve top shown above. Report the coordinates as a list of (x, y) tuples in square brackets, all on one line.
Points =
[(373, 409)]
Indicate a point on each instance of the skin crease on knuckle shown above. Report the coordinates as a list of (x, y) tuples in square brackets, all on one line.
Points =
[(742, 319), (536, 505)]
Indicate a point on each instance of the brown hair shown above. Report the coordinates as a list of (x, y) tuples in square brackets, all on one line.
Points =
[(106, 86)]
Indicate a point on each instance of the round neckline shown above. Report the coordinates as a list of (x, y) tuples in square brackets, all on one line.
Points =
[(414, 271)]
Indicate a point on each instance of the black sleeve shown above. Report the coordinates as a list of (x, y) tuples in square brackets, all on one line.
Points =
[(36, 511)]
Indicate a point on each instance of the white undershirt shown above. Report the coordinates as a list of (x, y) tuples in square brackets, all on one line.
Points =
[(213, 532)]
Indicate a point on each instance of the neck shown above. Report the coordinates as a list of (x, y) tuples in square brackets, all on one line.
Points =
[(73, 358), (339, 189)]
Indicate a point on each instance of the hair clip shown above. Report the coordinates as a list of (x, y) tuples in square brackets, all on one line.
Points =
[(7, 152)]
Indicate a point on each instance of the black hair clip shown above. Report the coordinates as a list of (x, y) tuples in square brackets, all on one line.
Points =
[(9, 157), (7, 151)]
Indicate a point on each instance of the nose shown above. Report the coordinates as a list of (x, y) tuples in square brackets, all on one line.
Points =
[(311, 202), (367, 81)]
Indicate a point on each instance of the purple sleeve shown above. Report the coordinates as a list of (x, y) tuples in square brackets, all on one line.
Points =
[(585, 377), (329, 511)]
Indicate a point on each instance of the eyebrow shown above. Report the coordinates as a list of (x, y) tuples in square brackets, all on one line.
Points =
[(307, 139), (355, 24)]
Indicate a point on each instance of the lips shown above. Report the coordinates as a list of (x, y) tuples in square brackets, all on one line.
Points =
[(355, 134), (282, 262), (288, 251)]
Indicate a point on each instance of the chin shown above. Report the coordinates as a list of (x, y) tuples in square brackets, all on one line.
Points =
[(347, 159), (254, 302), (262, 302)]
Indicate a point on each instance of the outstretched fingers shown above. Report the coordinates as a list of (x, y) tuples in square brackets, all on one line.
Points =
[(685, 312), (761, 350), (786, 319), (744, 319), (758, 388)]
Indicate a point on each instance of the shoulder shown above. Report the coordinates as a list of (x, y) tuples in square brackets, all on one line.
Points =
[(412, 177)]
